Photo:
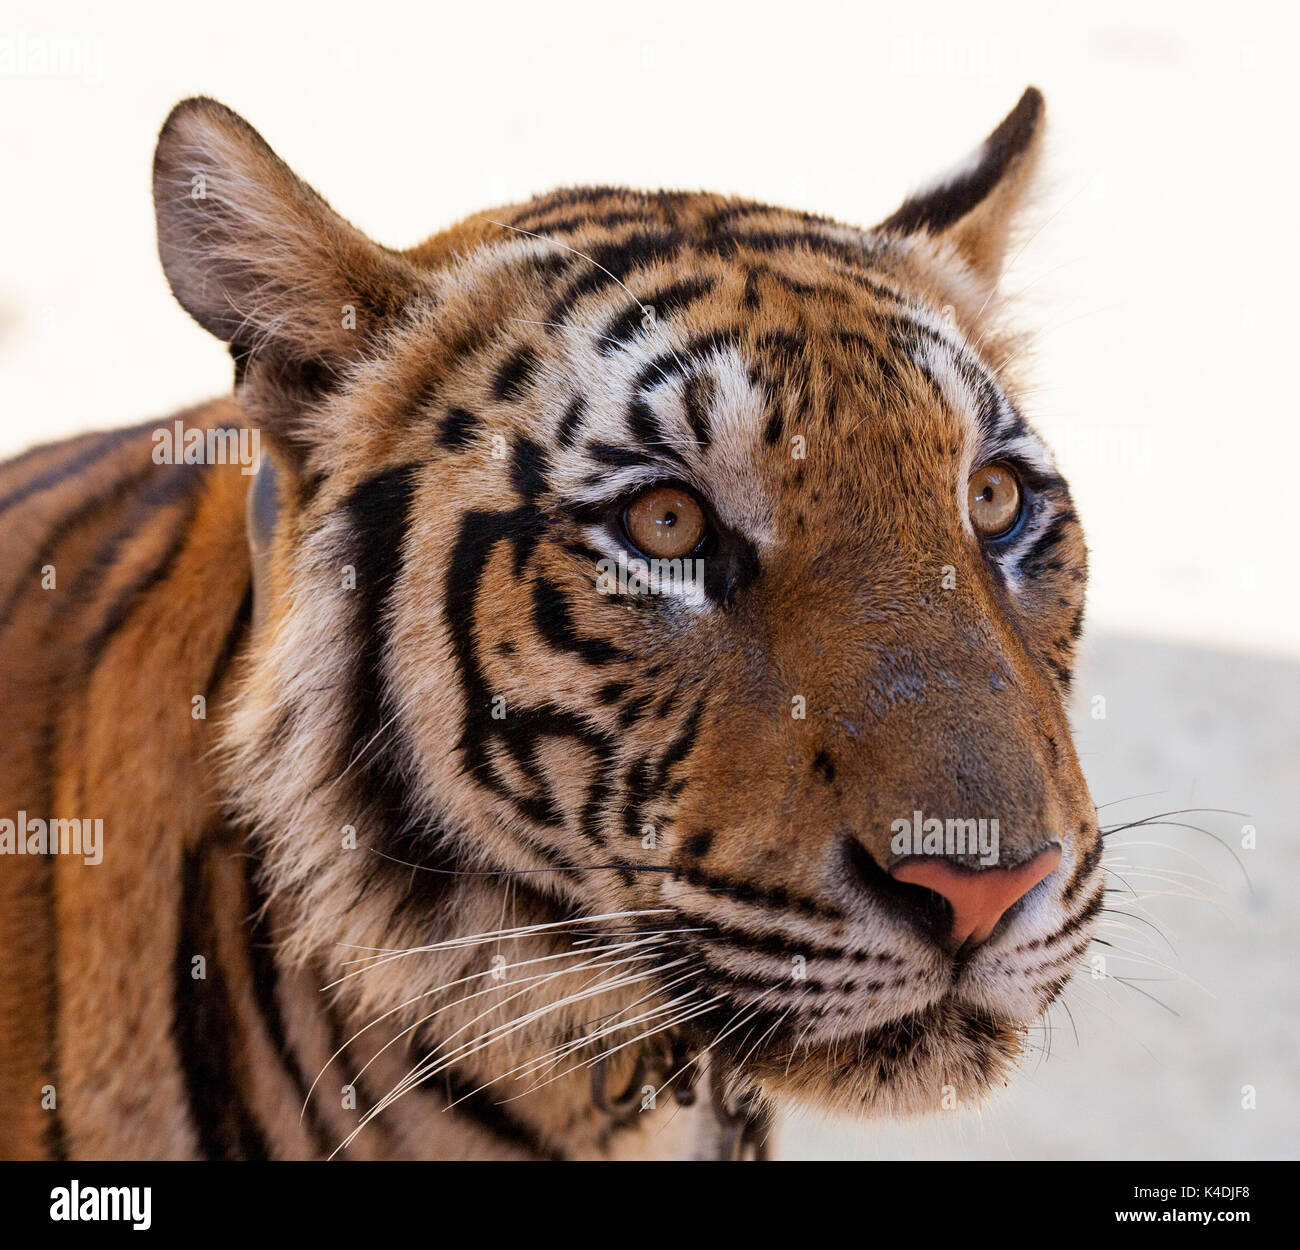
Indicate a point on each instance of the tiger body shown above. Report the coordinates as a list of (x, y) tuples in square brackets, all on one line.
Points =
[(417, 844)]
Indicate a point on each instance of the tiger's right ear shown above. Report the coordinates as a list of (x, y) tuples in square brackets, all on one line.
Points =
[(261, 261), (971, 210)]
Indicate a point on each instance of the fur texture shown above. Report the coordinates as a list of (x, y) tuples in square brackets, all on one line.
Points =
[(456, 825)]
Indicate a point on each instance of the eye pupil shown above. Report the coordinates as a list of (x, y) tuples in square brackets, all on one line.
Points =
[(665, 522), (993, 500)]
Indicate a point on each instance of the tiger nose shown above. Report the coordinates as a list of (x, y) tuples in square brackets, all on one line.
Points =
[(979, 898)]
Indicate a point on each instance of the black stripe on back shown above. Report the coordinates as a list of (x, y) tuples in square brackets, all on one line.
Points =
[(84, 459), (62, 529), (175, 482)]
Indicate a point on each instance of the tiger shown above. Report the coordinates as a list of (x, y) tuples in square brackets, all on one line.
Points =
[(576, 735)]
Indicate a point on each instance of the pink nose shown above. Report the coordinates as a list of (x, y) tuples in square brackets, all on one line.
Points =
[(980, 898)]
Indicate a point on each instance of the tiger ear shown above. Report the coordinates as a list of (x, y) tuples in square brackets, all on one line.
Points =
[(972, 207), (260, 260)]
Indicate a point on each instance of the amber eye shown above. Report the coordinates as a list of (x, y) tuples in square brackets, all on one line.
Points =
[(993, 497), (665, 522)]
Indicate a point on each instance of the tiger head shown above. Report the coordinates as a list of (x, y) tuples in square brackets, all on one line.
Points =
[(666, 590)]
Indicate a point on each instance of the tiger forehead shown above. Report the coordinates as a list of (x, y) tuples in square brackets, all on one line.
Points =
[(652, 306)]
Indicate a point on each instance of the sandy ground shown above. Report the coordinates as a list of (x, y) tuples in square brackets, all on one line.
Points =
[(1156, 1068)]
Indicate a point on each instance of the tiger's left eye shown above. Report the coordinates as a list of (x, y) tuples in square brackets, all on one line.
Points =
[(665, 522), (993, 498)]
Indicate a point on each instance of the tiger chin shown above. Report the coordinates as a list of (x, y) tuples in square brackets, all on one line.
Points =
[(627, 697)]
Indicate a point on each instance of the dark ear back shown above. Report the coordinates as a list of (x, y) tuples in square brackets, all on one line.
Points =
[(973, 206), (259, 259)]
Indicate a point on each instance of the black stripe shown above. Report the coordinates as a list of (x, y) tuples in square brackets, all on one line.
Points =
[(234, 636), (567, 197), (528, 469), (646, 430), (696, 399), (374, 754), (171, 483), (777, 899), (61, 530), (638, 790), (554, 620), (573, 416), (1088, 861), (457, 428), (633, 710), (617, 457), (665, 301), (70, 468), (514, 374), (859, 255), (612, 263), (480, 533), (775, 944), (181, 486), (479, 1106), (681, 746), (266, 993), (1044, 543), (56, 1138), (604, 221), (203, 1025), (774, 427), (947, 203)]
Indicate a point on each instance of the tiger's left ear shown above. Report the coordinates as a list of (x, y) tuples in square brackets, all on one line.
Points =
[(972, 208)]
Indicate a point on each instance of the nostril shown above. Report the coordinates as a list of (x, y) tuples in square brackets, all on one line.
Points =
[(915, 904), (978, 898)]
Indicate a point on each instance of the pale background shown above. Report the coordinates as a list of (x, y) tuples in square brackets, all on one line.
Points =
[(1161, 275)]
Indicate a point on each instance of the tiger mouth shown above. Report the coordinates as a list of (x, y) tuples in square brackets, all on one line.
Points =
[(925, 1059), (949, 1035)]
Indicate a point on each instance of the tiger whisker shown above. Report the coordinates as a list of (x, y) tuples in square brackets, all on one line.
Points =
[(521, 872), (523, 930), (687, 1011), (555, 1054), (477, 1043), (425, 994), (558, 1054), (432, 1065)]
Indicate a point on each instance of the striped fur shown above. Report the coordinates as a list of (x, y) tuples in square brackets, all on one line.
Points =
[(423, 723)]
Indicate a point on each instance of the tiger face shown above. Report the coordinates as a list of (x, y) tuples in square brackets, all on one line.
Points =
[(661, 574)]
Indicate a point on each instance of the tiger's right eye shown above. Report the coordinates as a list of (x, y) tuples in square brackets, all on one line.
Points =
[(665, 522), (993, 498)]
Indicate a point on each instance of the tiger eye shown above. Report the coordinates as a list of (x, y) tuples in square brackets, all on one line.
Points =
[(665, 523), (993, 497)]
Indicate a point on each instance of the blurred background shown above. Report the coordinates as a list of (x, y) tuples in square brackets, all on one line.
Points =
[(1158, 271)]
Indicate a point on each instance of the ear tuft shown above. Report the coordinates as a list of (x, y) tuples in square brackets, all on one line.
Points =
[(973, 206)]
